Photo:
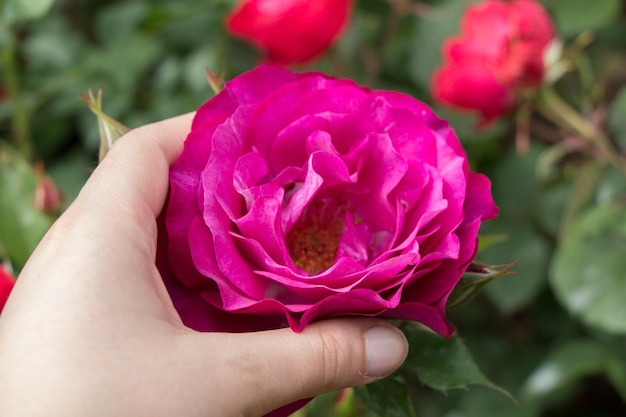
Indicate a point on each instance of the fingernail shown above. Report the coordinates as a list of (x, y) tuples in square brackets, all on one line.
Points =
[(386, 349)]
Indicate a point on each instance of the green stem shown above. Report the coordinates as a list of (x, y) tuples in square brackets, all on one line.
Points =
[(391, 27), (398, 8), (557, 110), (20, 131)]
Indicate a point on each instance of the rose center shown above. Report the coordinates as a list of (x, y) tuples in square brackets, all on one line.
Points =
[(314, 239)]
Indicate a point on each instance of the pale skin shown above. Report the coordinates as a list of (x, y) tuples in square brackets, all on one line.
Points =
[(90, 330)]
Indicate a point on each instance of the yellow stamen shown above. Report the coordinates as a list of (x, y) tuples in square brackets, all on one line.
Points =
[(314, 239)]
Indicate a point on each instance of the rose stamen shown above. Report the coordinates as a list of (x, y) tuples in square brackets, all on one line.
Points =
[(314, 239)]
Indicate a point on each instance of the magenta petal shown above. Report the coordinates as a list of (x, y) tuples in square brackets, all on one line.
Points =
[(323, 170), (382, 169), (288, 409), (263, 224), (369, 191), (289, 145), (361, 302), (356, 241), (277, 111), (250, 169), (257, 85), (232, 291), (480, 203), (344, 275), (430, 316), (339, 96)]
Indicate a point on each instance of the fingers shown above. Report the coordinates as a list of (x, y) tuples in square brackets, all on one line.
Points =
[(128, 189), (278, 367), (110, 230)]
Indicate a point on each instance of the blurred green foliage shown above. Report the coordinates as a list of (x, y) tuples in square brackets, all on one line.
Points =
[(553, 334)]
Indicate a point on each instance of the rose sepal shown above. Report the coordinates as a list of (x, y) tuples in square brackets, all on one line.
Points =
[(109, 129), (473, 280)]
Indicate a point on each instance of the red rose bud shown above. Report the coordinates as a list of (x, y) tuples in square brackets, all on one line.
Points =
[(47, 197), (345, 404), (289, 31), (6, 285), (499, 52)]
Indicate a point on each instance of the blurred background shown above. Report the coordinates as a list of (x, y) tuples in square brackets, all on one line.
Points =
[(552, 334)]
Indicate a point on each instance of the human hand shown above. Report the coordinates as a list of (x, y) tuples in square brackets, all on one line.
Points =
[(90, 329)]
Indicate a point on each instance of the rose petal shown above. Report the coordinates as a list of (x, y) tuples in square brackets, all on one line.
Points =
[(384, 179)]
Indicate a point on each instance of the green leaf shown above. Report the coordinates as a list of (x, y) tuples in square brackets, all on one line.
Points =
[(616, 371), (517, 172), (125, 17), (21, 10), (429, 35), (70, 173), (481, 402), (611, 188), (336, 404), (21, 225), (616, 120), (519, 195), (575, 16), (587, 272), (441, 363), (464, 124), (388, 397), (583, 186), (486, 241), (53, 46), (566, 365), (531, 253)]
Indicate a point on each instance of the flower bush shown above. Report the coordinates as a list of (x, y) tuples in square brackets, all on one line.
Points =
[(300, 197), (499, 53)]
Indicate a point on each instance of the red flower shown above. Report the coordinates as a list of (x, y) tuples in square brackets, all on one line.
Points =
[(498, 53), (6, 285), (289, 31)]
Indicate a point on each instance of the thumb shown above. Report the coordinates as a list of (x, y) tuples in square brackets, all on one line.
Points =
[(277, 367)]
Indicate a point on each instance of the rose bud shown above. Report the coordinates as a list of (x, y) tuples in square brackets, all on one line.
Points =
[(6, 285), (499, 53), (47, 197), (289, 31)]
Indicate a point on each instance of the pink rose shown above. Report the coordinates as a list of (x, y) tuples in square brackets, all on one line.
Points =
[(498, 53), (289, 31), (300, 197), (6, 286)]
